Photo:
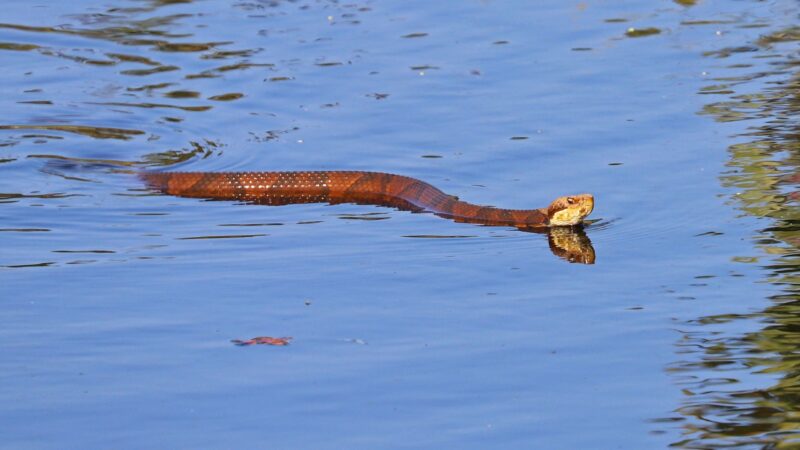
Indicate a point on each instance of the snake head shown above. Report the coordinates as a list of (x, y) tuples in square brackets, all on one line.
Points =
[(570, 210)]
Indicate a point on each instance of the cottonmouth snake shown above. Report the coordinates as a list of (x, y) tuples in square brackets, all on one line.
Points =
[(406, 193), (558, 220)]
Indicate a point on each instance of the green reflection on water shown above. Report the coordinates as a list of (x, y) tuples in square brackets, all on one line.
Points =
[(723, 406), (95, 132)]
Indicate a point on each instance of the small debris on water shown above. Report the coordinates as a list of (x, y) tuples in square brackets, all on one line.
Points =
[(263, 340), (227, 97), (641, 32), (709, 233)]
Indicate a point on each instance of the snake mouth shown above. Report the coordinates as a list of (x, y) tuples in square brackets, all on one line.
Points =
[(588, 206)]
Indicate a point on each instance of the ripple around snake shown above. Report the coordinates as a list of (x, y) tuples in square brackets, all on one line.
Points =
[(638, 224), (624, 230)]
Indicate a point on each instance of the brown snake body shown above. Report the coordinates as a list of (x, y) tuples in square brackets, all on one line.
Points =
[(406, 193)]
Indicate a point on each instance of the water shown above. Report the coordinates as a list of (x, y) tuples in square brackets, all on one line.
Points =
[(409, 331)]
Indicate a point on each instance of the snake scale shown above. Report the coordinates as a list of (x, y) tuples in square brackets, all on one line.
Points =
[(376, 188)]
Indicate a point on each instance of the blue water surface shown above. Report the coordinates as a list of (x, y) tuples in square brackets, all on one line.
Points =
[(408, 331)]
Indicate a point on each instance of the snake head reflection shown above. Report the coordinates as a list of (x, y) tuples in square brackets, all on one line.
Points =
[(568, 243), (571, 244), (570, 210)]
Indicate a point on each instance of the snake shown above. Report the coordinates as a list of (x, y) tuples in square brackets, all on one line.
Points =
[(374, 188)]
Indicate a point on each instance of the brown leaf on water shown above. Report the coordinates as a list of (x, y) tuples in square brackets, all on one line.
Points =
[(263, 340)]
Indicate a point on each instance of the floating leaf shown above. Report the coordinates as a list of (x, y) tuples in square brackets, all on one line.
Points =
[(263, 340)]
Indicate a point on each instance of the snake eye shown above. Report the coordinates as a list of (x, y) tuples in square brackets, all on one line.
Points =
[(570, 200)]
